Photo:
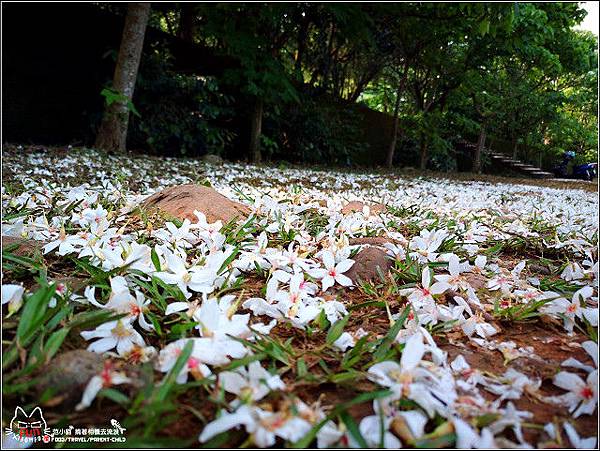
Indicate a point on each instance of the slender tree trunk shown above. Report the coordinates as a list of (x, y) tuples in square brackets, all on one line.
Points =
[(424, 152), (302, 36), (386, 102), (392, 147), (186, 22), (112, 135), (479, 150), (515, 148), (389, 161), (328, 58), (255, 130)]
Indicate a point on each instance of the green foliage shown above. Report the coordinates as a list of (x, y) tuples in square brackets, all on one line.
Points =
[(254, 36), (313, 131), (111, 96), (181, 114), (336, 330), (519, 71)]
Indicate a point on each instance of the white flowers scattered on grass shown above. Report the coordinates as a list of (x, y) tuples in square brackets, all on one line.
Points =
[(506, 281), (333, 272), (178, 273), (424, 247), (297, 244), (468, 438), (251, 384), (122, 301), (476, 325), (582, 393), (114, 334), (574, 309), (411, 379), (577, 441), (511, 417), (582, 396), (422, 296), (65, 244), (592, 349), (202, 353), (106, 379), (454, 280), (511, 385), (263, 426)]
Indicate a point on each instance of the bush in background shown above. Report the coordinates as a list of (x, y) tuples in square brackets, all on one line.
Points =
[(180, 114)]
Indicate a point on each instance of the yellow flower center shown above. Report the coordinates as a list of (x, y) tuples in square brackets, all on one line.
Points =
[(120, 331)]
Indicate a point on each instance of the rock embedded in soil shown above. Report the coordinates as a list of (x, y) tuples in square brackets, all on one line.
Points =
[(68, 375), (477, 281), (540, 269), (26, 246), (181, 201), (212, 159), (356, 206), (372, 240), (366, 264)]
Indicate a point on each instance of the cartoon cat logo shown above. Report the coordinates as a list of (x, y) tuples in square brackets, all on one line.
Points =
[(28, 428), (117, 426)]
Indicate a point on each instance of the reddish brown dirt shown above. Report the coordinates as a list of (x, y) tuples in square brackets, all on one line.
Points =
[(553, 346), (24, 248), (356, 206)]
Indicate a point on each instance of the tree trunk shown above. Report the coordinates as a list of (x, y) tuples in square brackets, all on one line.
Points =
[(186, 22), (112, 135), (424, 152), (515, 148), (302, 37), (328, 58), (255, 130), (479, 150), (392, 148)]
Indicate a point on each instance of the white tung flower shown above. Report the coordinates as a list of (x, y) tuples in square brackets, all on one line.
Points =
[(477, 325), (107, 378), (592, 349), (574, 309), (263, 426), (577, 441), (13, 296), (122, 301), (250, 384), (202, 353), (421, 296), (582, 396), (114, 334), (333, 273)]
